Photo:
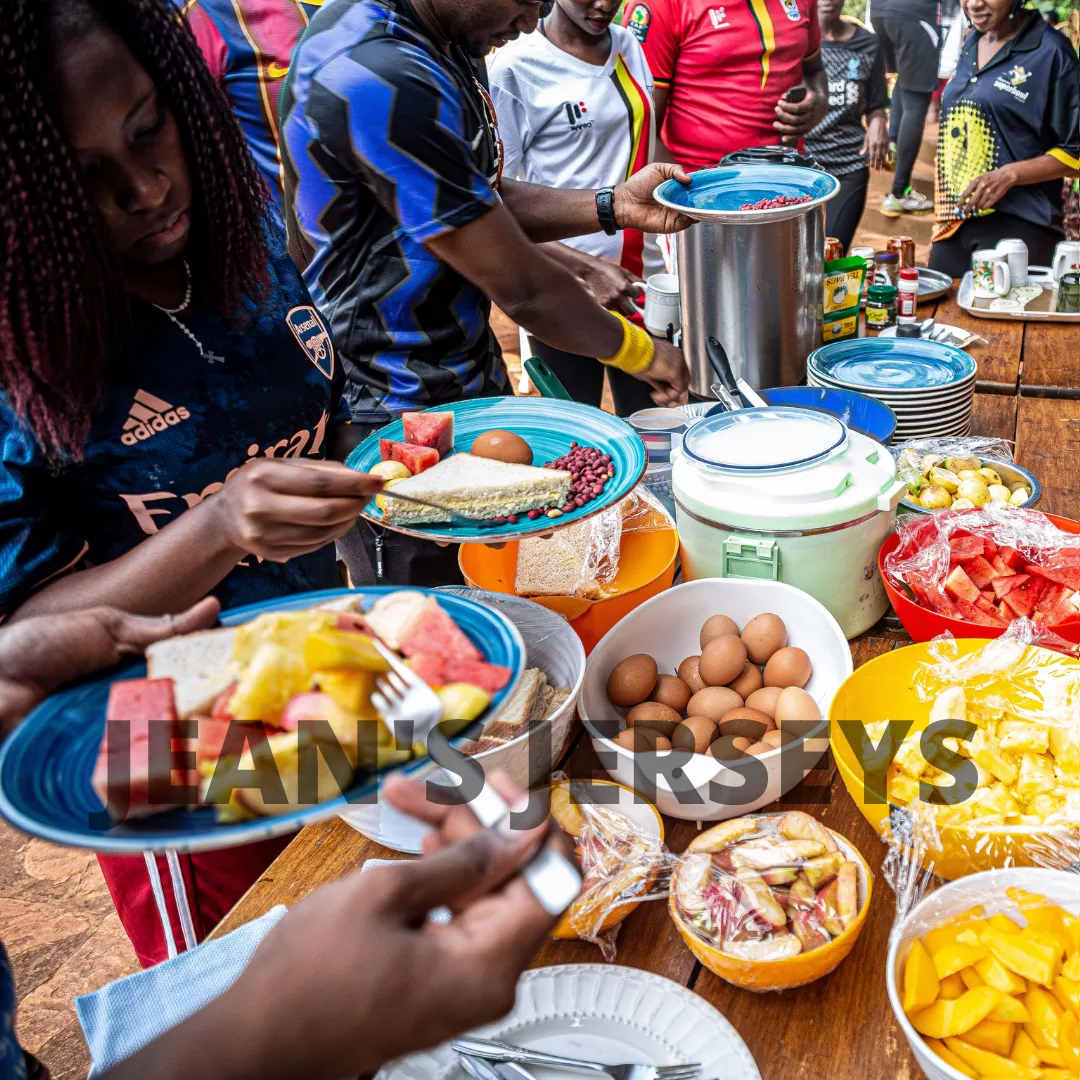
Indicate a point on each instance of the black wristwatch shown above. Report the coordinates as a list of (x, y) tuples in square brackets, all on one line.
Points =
[(605, 210)]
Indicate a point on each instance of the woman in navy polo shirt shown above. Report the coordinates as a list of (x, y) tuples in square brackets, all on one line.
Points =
[(168, 394), (1010, 130)]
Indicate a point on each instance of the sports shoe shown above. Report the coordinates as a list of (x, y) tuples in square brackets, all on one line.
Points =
[(911, 203)]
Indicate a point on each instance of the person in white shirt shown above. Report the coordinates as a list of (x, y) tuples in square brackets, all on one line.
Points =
[(574, 104)]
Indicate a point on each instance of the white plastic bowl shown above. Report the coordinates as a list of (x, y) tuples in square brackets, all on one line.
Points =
[(553, 647), (988, 889), (667, 628)]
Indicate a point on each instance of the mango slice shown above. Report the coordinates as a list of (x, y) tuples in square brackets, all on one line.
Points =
[(1029, 958), (950, 1058), (945, 1019), (971, 978), (1024, 1051), (952, 986), (993, 1035), (1011, 1010), (994, 973), (987, 1063), (920, 980), (953, 958)]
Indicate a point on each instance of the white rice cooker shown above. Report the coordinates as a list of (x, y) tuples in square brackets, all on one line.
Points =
[(791, 495)]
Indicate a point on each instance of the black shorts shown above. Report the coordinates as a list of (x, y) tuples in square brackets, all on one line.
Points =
[(912, 49)]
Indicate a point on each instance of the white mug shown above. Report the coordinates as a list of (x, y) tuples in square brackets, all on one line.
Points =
[(990, 275), (1066, 258), (1016, 252), (661, 308)]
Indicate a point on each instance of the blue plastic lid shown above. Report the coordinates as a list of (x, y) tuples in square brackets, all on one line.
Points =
[(764, 440)]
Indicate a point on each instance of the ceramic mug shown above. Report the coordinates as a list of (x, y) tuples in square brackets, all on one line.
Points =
[(1068, 294), (1066, 258), (1016, 253), (661, 307), (990, 274)]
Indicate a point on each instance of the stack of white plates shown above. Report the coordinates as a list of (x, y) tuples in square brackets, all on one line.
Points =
[(930, 386)]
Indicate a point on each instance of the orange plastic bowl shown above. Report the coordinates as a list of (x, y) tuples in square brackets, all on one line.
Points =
[(796, 970), (646, 568), (924, 625)]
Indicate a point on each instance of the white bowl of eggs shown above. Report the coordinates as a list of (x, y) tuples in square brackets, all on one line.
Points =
[(711, 699)]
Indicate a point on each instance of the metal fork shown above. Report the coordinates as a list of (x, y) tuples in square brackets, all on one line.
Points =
[(495, 1051), (411, 710)]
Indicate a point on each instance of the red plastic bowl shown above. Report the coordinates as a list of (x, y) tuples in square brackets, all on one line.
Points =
[(923, 625)]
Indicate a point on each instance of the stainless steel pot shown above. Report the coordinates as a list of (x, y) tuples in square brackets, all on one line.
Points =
[(752, 278)]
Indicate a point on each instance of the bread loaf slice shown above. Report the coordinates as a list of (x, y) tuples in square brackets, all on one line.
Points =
[(199, 665)]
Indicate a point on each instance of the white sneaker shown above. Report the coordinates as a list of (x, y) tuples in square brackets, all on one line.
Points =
[(911, 203)]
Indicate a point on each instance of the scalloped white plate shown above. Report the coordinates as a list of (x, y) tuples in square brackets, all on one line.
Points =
[(599, 1012)]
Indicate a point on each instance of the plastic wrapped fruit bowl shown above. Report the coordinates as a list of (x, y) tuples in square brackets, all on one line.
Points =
[(791, 971), (924, 625)]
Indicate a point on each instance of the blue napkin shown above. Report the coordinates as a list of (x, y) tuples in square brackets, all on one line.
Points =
[(123, 1016)]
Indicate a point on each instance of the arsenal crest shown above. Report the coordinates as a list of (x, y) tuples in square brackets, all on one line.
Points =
[(309, 329)]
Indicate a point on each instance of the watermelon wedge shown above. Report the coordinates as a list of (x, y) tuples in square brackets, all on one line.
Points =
[(964, 548), (980, 572), (1003, 585), (489, 677), (1010, 556), (1001, 566), (415, 458), (1022, 599), (1069, 576), (432, 632), (433, 429), (960, 586), (432, 669)]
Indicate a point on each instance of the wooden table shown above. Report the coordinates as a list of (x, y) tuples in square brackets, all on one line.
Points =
[(841, 1027)]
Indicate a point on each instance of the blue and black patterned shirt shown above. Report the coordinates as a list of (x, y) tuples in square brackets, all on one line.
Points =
[(387, 142)]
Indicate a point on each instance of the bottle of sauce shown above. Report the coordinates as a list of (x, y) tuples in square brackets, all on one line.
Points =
[(908, 298), (833, 249), (886, 268), (880, 307), (903, 247)]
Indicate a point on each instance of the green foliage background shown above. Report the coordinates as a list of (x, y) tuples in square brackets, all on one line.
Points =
[(1063, 7)]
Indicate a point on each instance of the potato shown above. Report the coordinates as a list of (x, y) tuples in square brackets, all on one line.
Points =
[(999, 493), (943, 478), (974, 490), (989, 475), (934, 497)]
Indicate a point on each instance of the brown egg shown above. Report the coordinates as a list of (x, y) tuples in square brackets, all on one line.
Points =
[(776, 738), (690, 674), (631, 680), (759, 748), (722, 660), (729, 748), (748, 682), (788, 667), (795, 706), (748, 723), (695, 734), (717, 626), (765, 699), (670, 690), (502, 446), (651, 714), (763, 635), (641, 740), (713, 702)]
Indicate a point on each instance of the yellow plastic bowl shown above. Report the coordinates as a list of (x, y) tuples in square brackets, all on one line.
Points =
[(647, 818), (796, 970), (882, 690)]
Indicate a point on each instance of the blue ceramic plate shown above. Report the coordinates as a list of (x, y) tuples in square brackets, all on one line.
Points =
[(717, 194), (548, 426), (47, 763), (864, 414), (888, 364)]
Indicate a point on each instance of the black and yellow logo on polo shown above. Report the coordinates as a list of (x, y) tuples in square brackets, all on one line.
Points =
[(967, 150)]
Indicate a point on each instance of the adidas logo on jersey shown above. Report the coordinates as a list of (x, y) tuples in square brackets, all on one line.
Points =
[(147, 416)]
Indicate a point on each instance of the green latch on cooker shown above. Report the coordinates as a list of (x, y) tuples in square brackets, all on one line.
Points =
[(745, 557)]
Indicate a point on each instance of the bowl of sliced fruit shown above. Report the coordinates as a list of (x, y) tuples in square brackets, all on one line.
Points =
[(771, 901), (984, 976)]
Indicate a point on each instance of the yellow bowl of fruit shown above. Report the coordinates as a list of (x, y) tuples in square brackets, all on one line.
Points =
[(1025, 782), (770, 901), (984, 977)]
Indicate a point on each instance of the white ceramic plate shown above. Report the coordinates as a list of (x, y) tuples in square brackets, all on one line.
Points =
[(605, 1013)]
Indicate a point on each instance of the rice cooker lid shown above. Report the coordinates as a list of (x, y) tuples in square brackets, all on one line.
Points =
[(782, 470)]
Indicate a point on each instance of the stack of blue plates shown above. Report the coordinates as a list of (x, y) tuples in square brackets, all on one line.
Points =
[(929, 386)]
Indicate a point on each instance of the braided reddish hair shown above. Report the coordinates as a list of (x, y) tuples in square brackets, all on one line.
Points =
[(63, 305)]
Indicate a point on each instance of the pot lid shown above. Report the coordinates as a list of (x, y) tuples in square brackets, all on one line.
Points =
[(769, 155), (719, 194), (764, 440)]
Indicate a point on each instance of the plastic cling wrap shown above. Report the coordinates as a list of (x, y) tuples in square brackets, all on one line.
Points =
[(582, 560), (989, 566), (621, 851), (770, 901)]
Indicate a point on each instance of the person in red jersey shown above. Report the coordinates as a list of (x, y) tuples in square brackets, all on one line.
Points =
[(723, 70)]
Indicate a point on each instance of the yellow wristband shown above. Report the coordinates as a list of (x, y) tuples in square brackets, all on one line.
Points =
[(637, 352)]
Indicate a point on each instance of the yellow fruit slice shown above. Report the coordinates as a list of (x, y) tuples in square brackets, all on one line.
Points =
[(1024, 1051), (945, 934), (1029, 958), (920, 980), (994, 973), (952, 986), (971, 978), (1067, 991), (950, 1058), (947, 1018), (1046, 1016), (1004, 924), (987, 1063), (993, 1035), (954, 957), (1011, 1010)]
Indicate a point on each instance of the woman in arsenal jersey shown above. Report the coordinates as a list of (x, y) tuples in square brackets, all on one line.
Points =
[(574, 102)]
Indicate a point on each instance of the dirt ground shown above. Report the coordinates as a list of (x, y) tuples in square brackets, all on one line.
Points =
[(56, 917)]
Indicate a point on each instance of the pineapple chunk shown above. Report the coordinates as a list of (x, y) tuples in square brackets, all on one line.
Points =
[(1019, 735), (288, 629), (909, 758), (950, 704), (986, 751), (273, 676), (1036, 776), (902, 789)]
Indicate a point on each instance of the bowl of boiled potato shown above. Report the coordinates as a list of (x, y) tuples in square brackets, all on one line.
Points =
[(708, 699), (984, 976), (936, 482)]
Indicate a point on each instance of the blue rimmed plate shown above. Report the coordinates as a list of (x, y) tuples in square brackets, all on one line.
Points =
[(892, 365), (47, 762), (548, 426)]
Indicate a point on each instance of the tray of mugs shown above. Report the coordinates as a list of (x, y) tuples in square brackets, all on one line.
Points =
[(1002, 285)]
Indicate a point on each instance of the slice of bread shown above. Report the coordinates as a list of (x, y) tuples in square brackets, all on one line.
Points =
[(562, 565), (199, 664), (558, 699), (477, 488), (522, 711), (393, 615)]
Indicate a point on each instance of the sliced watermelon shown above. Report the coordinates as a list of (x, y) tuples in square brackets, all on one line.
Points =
[(221, 707), (1001, 566), (1069, 576), (980, 572), (1010, 556), (970, 613), (432, 669), (415, 458), (1003, 585), (489, 677), (139, 701), (212, 733), (960, 586), (990, 549), (966, 547), (1022, 599), (434, 429), (433, 632)]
